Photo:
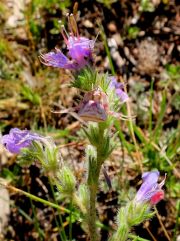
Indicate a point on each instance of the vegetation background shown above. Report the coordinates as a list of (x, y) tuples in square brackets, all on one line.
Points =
[(138, 40)]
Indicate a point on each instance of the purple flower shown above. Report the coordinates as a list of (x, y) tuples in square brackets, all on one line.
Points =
[(18, 139), (79, 50), (118, 89), (57, 59), (93, 106), (93, 111), (150, 190)]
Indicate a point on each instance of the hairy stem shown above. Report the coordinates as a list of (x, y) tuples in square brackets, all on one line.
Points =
[(92, 214), (93, 178), (94, 236)]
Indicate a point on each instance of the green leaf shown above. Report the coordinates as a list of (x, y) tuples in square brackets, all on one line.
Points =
[(30, 95)]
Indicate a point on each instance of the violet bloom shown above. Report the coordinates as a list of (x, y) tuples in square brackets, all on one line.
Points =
[(93, 106), (118, 89), (18, 139), (150, 190), (93, 111), (79, 50)]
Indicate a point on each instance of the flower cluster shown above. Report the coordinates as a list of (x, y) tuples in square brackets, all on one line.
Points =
[(95, 106)]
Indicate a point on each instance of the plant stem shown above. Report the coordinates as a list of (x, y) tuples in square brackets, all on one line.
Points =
[(137, 237), (103, 35), (92, 213), (92, 209), (93, 178), (70, 221), (35, 198), (36, 223), (162, 225), (61, 229), (139, 158)]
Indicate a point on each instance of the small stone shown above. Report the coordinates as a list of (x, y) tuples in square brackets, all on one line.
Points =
[(118, 39), (112, 27), (88, 24)]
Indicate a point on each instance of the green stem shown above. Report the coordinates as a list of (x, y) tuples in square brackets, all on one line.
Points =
[(35, 198), (137, 238), (61, 229), (70, 220), (36, 223), (93, 178), (92, 213), (103, 35), (177, 222)]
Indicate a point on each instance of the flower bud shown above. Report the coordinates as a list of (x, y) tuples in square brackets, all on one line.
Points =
[(66, 181)]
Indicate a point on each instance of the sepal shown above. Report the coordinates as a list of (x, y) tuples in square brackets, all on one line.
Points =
[(138, 213), (83, 198), (131, 215), (43, 151), (92, 133), (85, 79), (92, 164), (66, 182), (105, 144)]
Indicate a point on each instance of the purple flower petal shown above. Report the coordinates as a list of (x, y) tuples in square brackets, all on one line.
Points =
[(93, 111), (83, 42), (57, 59), (94, 106), (80, 50), (150, 190), (80, 56), (18, 139), (114, 84), (122, 95)]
